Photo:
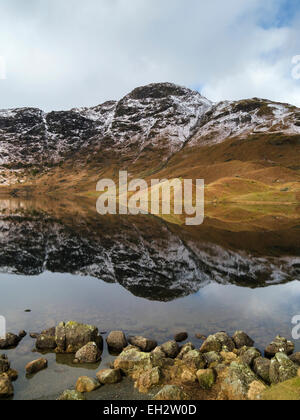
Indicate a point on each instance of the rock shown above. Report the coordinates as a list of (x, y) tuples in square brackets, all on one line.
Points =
[(72, 336), (34, 335), (256, 390), (295, 358), (285, 391), (194, 360), (261, 367), (149, 379), (185, 349), (159, 358), (109, 376), (171, 349), (116, 341), (6, 387), (10, 341), (212, 358), (241, 339), (71, 395), (143, 343), (282, 369), (206, 378), (131, 360), (228, 357), (180, 337), (89, 353), (4, 364), (171, 393), (86, 384), (248, 357), (211, 344), (36, 366), (201, 337), (279, 345), (237, 382), (226, 342), (45, 342), (12, 374), (188, 377), (22, 334)]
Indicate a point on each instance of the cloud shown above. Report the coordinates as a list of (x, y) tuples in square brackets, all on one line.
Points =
[(72, 53)]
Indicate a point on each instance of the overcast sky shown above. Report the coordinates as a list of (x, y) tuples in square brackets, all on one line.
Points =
[(65, 53)]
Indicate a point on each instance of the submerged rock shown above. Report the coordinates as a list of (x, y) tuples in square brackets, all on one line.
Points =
[(282, 369), (116, 341), (71, 395), (144, 344), (36, 366), (86, 384), (171, 393), (279, 345), (89, 353), (109, 376)]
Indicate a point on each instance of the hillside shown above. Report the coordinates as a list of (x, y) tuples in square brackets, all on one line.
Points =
[(247, 151)]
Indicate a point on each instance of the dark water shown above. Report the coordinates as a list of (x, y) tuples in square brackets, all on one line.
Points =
[(142, 275)]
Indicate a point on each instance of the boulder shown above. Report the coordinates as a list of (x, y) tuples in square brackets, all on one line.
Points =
[(217, 343), (10, 341), (237, 382), (142, 343), (6, 387), (185, 349), (71, 395), (4, 364), (206, 378), (149, 379), (89, 353), (116, 341), (249, 355), (282, 369), (226, 342), (159, 359), (181, 336), (212, 358), (131, 360), (109, 376), (72, 336), (171, 349), (45, 342), (228, 357), (279, 345), (261, 367), (194, 360), (295, 358), (171, 393), (12, 374), (86, 384), (36, 366), (241, 339)]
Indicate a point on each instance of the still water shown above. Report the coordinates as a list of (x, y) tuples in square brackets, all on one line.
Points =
[(143, 275)]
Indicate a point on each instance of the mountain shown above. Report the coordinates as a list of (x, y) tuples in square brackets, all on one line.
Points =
[(245, 150)]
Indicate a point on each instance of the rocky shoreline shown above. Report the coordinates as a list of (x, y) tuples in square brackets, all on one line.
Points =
[(222, 368)]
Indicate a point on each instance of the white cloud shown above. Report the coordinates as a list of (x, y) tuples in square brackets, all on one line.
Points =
[(65, 54)]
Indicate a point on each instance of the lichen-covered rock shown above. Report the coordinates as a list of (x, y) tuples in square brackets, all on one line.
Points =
[(109, 376), (248, 356), (171, 349), (237, 383), (185, 349), (131, 360), (6, 387), (86, 384), (72, 336), (89, 353), (71, 395), (143, 343), (159, 358), (181, 336), (4, 363), (149, 379), (171, 393), (45, 342), (194, 360), (279, 345), (256, 390), (282, 369), (206, 378), (261, 367), (212, 358), (10, 341), (295, 358), (241, 339), (211, 344), (116, 341), (36, 366)]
